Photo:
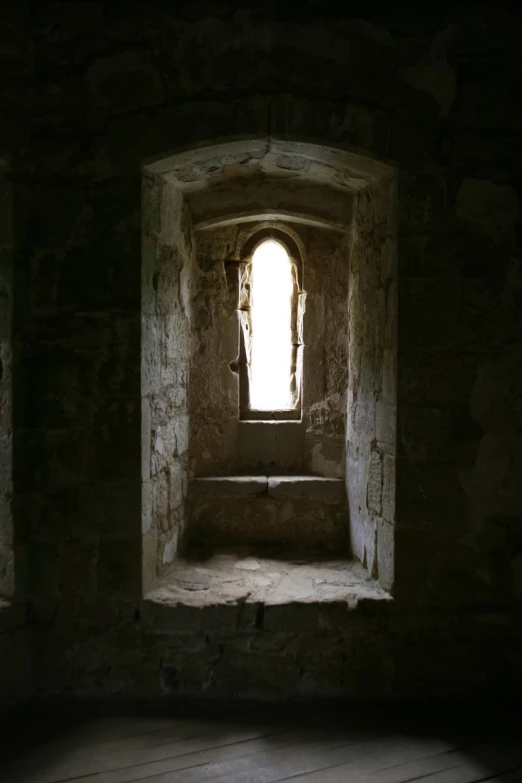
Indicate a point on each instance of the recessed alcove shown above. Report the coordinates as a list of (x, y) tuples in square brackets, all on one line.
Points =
[(317, 488)]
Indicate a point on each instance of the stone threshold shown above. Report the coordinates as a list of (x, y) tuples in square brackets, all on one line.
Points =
[(243, 577), (310, 487)]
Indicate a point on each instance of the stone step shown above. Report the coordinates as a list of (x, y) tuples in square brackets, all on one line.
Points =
[(305, 512)]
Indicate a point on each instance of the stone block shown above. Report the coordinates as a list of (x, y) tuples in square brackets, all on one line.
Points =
[(229, 486), (431, 496), (168, 547), (149, 560), (325, 457), (148, 271), (147, 506), (213, 446), (119, 566), (116, 433), (79, 562), (228, 349), (6, 520), (275, 444), (331, 490), (168, 493), (414, 560), (216, 521), (109, 509), (438, 79), (385, 423), (6, 462), (166, 280), (163, 619), (388, 488), (486, 104), (492, 208), (122, 82), (374, 486), (7, 571), (389, 377), (422, 321), (146, 434), (385, 554), (15, 672), (6, 210), (44, 562), (301, 520), (58, 215)]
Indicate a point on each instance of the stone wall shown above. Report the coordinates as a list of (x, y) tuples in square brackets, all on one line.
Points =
[(16, 69), (165, 372), (372, 380), (7, 583), (431, 93)]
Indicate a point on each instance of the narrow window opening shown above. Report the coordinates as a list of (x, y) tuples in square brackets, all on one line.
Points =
[(271, 311)]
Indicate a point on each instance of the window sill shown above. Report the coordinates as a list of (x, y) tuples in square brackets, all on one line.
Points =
[(271, 417), (309, 487), (235, 589)]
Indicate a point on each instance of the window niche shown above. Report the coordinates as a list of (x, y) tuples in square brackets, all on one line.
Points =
[(321, 471)]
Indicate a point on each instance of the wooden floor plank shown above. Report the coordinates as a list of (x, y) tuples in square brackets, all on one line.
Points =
[(463, 766), (410, 770), (45, 768), (189, 750), (272, 767), (180, 757), (514, 776), (226, 747)]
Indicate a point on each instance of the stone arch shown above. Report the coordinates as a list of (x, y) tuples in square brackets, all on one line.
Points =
[(269, 181)]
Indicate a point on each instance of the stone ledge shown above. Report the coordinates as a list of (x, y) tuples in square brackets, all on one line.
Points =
[(241, 590), (309, 487)]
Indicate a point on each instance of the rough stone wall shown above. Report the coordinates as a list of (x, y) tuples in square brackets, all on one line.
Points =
[(372, 373), (15, 66), (214, 400), (7, 583), (165, 346), (325, 336), (428, 90), (220, 443)]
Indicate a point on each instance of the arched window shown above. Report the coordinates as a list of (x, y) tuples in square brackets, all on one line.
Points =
[(270, 345), (272, 288)]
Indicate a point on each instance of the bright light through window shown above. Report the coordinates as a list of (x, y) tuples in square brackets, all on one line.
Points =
[(271, 305)]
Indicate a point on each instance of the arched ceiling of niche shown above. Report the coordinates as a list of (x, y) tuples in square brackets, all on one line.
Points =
[(247, 179)]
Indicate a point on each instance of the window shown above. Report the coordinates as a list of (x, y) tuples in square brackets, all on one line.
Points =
[(271, 315), (270, 347)]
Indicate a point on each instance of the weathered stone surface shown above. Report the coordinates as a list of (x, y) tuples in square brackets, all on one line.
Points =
[(230, 486), (309, 487), (239, 580), (301, 521), (371, 424), (491, 207)]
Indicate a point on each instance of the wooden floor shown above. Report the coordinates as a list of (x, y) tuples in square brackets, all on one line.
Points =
[(263, 745)]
